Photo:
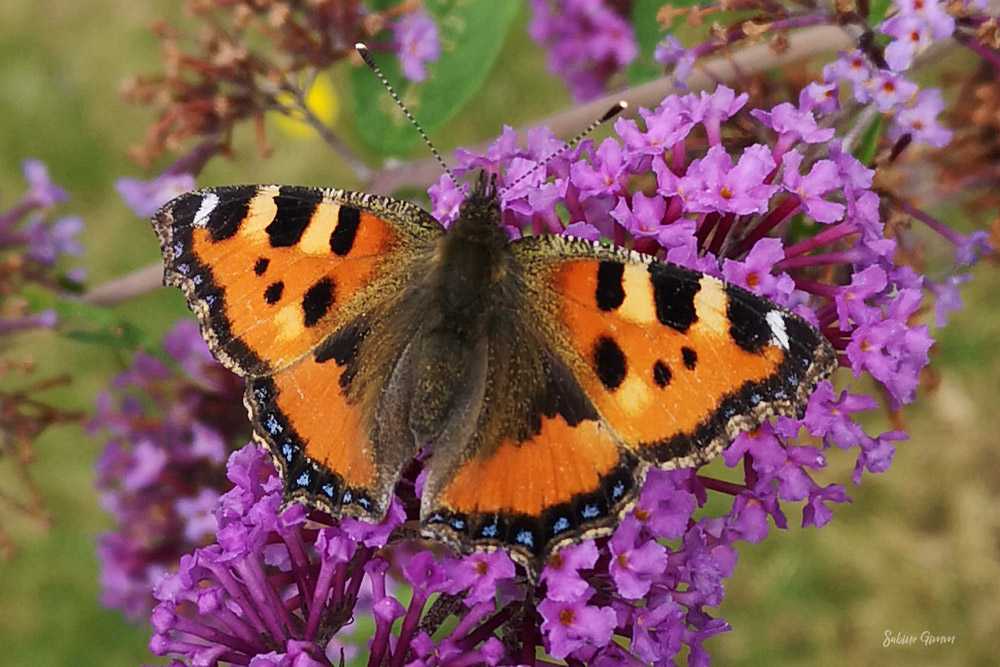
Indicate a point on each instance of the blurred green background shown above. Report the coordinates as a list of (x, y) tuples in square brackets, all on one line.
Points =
[(916, 551)]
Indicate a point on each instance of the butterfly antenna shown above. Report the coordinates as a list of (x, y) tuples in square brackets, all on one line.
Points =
[(367, 57), (605, 117)]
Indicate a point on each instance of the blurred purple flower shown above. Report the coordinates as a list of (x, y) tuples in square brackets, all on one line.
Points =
[(146, 197), (587, 40), (42, 192), (418, 43), (32, 243), (160, 474)]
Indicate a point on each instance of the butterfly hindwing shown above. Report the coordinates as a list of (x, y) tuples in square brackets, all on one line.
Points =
[(541, 468), (272, 271)]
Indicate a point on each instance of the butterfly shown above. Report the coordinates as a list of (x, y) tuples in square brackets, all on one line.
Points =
[(546, 375)]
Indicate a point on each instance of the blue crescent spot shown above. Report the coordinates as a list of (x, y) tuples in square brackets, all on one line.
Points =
[(590, 512), (328, 489), (561, 524), (489, 531), (288, 452), (618, 490), (457, 524), (525, 537), (303, 479)]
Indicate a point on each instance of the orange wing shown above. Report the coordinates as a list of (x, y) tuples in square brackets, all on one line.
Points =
[(676, 362), (272, 271), (554, 474), (285, 281), (321, 438)]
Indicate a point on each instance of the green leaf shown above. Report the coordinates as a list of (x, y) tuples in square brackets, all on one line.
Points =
[(647, 36), (472, 33), (879, 9), (868, 142)]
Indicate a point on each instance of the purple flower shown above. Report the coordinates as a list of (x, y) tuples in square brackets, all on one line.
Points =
[(972, 246), (587, 41), (562, 575), (646, 216), (42, 192), (714, 210), (417, 43), (889, 90), (911, 35), (671, 51), (146, 197), (714, 183), (755, 271), (160, 474), (570, 625), (665, 504), (819, 97), (823, 178), (634, 561), (792, 125), (48, 240), (947, 298)]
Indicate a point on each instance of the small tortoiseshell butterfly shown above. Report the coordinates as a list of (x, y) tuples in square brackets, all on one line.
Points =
[(548, 373)]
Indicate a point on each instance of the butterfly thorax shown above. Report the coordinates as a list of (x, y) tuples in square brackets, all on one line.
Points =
[(462, 295)]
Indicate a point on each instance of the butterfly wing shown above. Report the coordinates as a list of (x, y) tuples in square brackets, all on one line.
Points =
[(677, 362), (539, 468), (272, 271), (646, 363), (286, 283)]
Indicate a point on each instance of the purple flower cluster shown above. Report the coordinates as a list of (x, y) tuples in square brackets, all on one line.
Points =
[(32, 242), (417, 43), (730, 215), (792, 218), (169, 428), (587, 41)]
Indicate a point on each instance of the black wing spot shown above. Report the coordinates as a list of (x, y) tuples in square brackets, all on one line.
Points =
[(610, 292), (260, 267), (674, 289), (690, 358), (661, 374), (294, 211), (229, 213), (342, 238), (609, 362), (747, 326), (273, 292), (316, 302)]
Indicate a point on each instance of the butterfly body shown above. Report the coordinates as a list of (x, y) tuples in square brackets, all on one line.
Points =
[(546, 374)]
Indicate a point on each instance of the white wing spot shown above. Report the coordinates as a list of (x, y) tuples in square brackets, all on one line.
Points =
[(208, 204), (779, 336)]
